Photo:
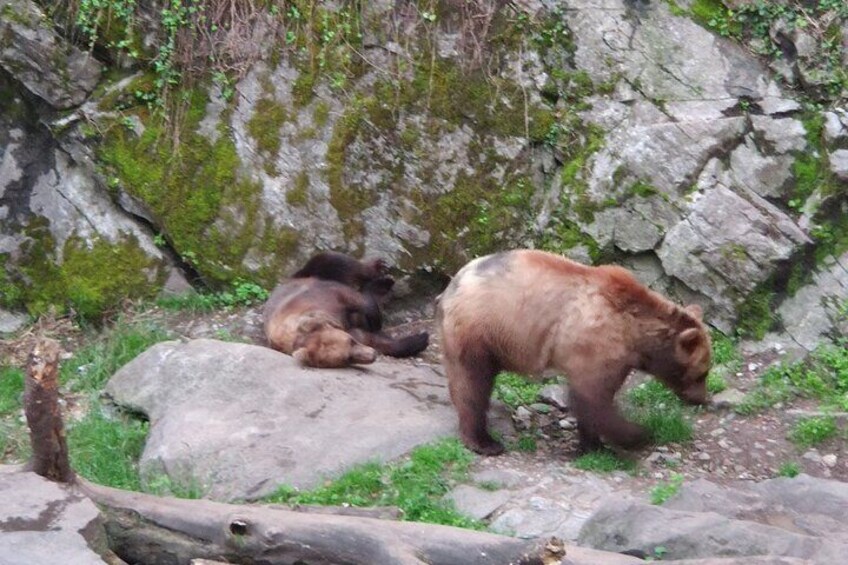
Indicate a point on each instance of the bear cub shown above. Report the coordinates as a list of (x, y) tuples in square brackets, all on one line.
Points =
[(328, 314), (530, 311)]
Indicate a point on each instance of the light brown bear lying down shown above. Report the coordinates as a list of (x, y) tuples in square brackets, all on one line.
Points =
[(530, 311), (328, 315)]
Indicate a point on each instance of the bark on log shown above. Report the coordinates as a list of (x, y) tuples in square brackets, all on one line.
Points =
[(158, 530), (44, 418)]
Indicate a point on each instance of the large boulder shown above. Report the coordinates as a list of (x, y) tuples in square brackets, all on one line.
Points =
[(46, 63), (238, 421)]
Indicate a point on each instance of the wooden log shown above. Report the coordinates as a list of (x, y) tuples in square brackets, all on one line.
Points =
[(43, 415), (151, 529)]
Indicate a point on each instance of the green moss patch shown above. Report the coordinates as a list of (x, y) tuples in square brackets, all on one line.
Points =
[(264, 126), (88, 280), (194, 190)]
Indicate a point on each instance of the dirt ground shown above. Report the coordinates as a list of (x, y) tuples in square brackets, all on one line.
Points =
[(726, 445)]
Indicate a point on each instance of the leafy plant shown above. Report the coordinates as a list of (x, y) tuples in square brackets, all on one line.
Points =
[(243, 293), (789, 469), (663, 491), (814, 430)]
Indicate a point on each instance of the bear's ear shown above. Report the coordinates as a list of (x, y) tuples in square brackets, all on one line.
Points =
[(687, 341), (695, 311), (309, 325)]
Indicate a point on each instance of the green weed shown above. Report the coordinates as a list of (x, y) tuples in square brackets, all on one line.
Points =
[(416, 485), (105, 450), (789, 469), (663, 491), (813, 431), (603, 461)]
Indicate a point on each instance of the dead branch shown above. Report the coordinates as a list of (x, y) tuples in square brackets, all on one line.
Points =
[(44, 418)]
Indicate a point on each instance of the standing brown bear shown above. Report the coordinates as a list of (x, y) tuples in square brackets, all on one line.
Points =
[(328, 314), (529, 311)]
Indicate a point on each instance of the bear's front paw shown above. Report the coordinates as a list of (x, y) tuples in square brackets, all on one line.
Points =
[(380, 286), (378, 268), (417, 343)]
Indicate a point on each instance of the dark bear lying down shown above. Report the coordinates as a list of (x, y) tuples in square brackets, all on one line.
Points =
[(328, 314)]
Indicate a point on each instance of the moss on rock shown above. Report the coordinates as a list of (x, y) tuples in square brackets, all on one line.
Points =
[(90, 279), (264, 126), (192, 188)]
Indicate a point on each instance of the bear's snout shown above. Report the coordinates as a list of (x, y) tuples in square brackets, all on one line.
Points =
[(696, 394)]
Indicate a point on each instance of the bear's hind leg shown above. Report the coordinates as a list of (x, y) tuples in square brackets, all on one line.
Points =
[(470, 382), (393, 347), (598, 418)]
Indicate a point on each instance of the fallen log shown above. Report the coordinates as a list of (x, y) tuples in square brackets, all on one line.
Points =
[(43, 415), (150, 529)]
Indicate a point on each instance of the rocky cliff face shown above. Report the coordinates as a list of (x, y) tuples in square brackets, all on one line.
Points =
[(611, 131)]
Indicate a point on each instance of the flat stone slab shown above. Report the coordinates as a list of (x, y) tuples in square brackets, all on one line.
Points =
[(238, 421), (801, 518), (46, 522)]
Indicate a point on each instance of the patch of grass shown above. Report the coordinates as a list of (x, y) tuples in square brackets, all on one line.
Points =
[(724, 349), (716, 383), (91, 366), (416, 485), (763, 398), (813, 431), (789, 469), (526, 442), (603, 461), (106, 450), (514, 390), (726, 359), (11, 389), (164, 485), (663, 491), (14, 440), (657, 408), (243, 293), (822, 376), (756, 314)]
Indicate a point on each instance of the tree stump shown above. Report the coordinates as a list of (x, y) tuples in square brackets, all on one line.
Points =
[(44, 418)]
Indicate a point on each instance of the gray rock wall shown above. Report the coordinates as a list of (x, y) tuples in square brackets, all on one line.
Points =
[(611, 131)]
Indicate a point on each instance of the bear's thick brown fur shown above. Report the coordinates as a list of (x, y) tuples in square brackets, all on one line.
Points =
[(321, 317), (530, 311)]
